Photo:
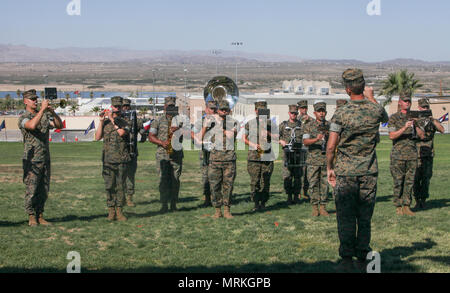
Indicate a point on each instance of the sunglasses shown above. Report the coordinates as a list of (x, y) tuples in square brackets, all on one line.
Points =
[(294, 113), (225, 110)]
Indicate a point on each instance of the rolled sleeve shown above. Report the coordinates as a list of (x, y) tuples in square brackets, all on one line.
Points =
[(154, 131), (334, 127), (23, 122)]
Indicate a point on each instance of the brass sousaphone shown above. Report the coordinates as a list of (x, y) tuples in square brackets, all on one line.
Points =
[(220, 88)]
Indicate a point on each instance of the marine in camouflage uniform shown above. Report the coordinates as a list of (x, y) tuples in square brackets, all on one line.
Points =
[(304, 119), (222, 165), (292, 176), (35, 126), (115, 158), (132, 165), (354, 131), (169, 166), (211, 108), (425, 152), (260, 157), (403, 155), (314, 138)]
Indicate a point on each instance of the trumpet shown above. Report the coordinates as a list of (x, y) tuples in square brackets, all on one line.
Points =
[(54, 104)]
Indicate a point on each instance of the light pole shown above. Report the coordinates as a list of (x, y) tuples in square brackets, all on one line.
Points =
[(216, 52), (154, 98), (237, 44), (185, 83)]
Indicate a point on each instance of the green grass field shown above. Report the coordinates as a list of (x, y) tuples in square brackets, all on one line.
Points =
[(189, 240)]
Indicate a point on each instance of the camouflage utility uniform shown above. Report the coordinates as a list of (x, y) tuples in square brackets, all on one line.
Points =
[(425, 152), (222, 165), (115, 159), (356, 170), (132, 165), (206, 187), (292, 176), (169, 166), (36, 162), (259, 166), (304, 119), (403, 160), (316, 164)]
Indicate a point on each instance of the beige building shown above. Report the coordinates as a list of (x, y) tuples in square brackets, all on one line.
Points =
[(306, 87)]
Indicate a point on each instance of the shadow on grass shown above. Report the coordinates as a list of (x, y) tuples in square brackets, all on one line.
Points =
[(12, 224), (180, 200), (391, 261), (385, 198), (68, 218), (436, 204), (392, 258)]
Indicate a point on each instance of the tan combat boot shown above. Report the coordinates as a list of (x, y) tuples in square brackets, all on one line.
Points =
[(218, 213), (407, 211), (32, 221), (42, 221), (111, 214), (119, 215), (315, 212), (399, 211), (227, 213), (323, 211), (130, 202)]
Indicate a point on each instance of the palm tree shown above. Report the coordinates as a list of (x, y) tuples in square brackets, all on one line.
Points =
[(42, 94), (95, 110), (150, 100), (398, 82), (73, 109), (18, 92), (143, 111), (8, 102)]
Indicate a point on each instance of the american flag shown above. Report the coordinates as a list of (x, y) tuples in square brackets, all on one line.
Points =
[(443, 118)]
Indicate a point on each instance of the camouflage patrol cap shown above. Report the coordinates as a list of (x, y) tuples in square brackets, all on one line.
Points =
[(170, 100), (424, 103), (353, 76), (293, 108), (224, 105), (116, 101), (405, 96), (340, 103), (126, 102), (211, 105), (320, 105), (260, 104), (303, 104), (30, 94)]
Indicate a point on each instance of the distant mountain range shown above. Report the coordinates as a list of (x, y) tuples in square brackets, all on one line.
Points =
[(23, 53)]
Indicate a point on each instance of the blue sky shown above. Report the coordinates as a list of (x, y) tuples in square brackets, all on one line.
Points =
[(319, 29)]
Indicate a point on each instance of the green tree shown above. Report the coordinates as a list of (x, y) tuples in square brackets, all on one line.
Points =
[(74, 108), (8, 102), (18, 93), (143, 111), (95, 110), (397, 83)]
